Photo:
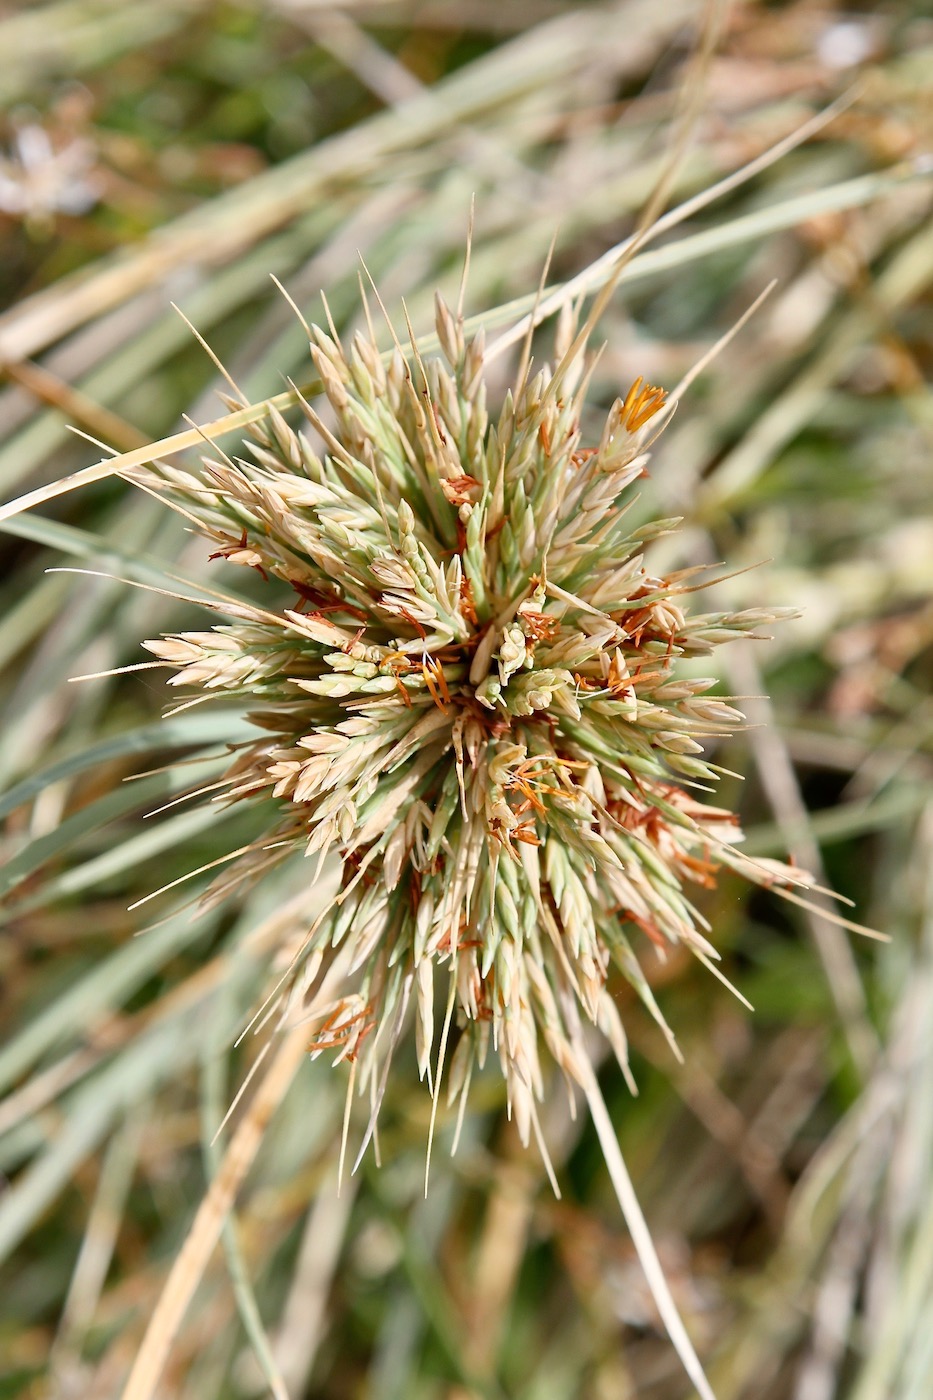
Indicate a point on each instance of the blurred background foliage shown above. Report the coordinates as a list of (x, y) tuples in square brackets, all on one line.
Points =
[(186, 150)]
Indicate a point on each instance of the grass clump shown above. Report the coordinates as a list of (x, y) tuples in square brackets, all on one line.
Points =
[(766, 1162)]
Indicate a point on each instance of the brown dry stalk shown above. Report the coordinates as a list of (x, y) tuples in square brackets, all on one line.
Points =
[(189, 1266)]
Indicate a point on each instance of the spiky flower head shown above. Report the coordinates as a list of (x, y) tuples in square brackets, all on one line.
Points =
[(465, 687)]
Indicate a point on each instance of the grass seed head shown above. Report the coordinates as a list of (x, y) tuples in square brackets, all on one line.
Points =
[(465, 686)]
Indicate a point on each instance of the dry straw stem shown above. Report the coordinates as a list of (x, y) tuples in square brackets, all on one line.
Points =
[(783, 791), (98, 1246), (547, 55), (304, 1320), (896, 286), (202, 1238), (118, 349), (860, 1220), (76, 35), (848, 194), (638, 1228)]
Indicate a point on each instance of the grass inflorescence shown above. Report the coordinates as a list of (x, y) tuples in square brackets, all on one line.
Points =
[(466, 686)]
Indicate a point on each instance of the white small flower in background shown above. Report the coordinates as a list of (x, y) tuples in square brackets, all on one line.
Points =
[(41, 177), (846, 43)]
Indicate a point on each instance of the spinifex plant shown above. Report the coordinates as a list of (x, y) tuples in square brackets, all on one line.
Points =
[(464, 684)]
